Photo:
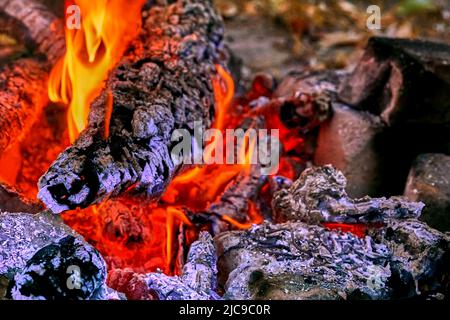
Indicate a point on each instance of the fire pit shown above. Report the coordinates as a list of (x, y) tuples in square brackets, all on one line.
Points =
[(142, 158)]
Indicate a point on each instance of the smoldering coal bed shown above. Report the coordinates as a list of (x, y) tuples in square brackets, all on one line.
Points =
[(93, 206)]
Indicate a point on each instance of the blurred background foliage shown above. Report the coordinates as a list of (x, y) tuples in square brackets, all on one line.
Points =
[(325, 34)]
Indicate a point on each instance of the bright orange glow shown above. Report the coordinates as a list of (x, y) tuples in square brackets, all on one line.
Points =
[(158, 225), (92, 52), (358, 229)]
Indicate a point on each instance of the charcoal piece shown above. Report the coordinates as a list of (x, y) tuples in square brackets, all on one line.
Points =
[(421, 251), (296, 261), (22, 235), (303, 101), (348, 142), (12, 201), (234, 201), (197, 282), (200, 271), (429, 182), (33, 25), (131, 284), (69, 269), (319, 195), (23, 86), (23, 82), (163, 83), (404, 81)]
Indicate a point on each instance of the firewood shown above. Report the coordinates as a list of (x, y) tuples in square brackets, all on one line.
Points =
[(23, 82), (33, 25), (163, 83), (23, 96), (319, 196)]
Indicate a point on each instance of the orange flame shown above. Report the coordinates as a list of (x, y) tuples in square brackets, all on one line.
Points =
[(92, 52)]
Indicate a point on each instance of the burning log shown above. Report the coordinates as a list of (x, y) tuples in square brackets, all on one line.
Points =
[(319, 196), (163, 83), (23, 82), (197, 282), (22, 98), (33, 25)]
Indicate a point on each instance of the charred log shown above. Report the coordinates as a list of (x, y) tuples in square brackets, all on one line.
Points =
[(34, 25), (23, 96), (319, 196), (163, 83), (12, 201), (23, 82)]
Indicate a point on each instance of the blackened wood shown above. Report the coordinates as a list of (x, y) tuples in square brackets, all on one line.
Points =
[(163, 83), (235, 201), (23, 95), (34, 25), (23, 82), (319, 195)]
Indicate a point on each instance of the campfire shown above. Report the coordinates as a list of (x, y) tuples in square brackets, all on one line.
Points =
[(140, 159)]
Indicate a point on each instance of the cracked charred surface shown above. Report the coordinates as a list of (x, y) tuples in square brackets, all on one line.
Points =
[(163, 83), (298, 261), (319, 196), (67, 269)]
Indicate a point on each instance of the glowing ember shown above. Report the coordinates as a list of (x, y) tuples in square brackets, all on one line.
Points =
[(92, 52), (143, 236)]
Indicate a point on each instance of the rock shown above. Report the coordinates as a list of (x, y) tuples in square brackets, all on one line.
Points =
[(303, 262), (429, 182), (348, 142), (68, 269), (403, 81), (319, 196)]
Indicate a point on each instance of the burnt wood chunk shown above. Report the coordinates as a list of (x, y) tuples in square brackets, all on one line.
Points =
[(163, 83), (296, 261), (319, 195), (403, 81), (23, 83), (23, 95), (33, 25)]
